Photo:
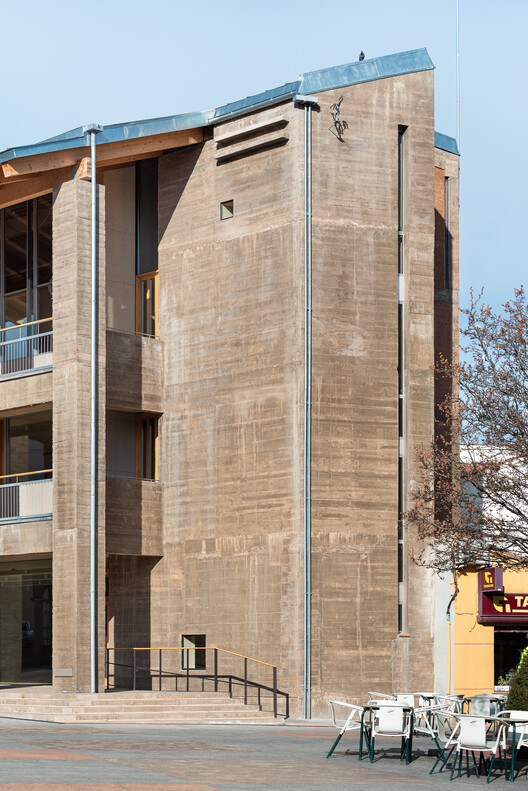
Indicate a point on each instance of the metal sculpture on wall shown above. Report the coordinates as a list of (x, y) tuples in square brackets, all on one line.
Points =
[(339, 126)]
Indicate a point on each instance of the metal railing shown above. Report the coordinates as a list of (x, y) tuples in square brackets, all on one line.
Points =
[(26, 348), (26, 500), (250, 690)]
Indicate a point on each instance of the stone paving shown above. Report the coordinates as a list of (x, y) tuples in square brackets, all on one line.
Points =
[(40, 756)]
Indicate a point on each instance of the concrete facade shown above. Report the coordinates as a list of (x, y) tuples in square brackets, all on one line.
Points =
[(214, 546)]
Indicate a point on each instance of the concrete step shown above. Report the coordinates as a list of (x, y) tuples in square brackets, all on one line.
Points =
[(231, 720), (120, 704), (130, 707), (131, 710)]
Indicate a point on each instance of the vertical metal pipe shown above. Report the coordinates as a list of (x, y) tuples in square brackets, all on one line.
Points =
[(458, 70), (93, 421), (305, 454), (245, 680), (309, 428), (307, 511), (216, 670), (307, 102)]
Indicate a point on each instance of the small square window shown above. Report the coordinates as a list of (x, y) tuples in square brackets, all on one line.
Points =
[(193, 653), (227, 209)]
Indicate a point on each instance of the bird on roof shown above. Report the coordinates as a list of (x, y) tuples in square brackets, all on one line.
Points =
[(362, 55)]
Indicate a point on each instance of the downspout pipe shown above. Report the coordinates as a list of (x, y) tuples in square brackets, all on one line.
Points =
[(448, 623), (307, 102), (92, 130)]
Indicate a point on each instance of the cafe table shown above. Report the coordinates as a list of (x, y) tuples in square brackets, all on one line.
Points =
[(367, 721)]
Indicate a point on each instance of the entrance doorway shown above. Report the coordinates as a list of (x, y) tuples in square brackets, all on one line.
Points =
[(509, 645), (25, 622)]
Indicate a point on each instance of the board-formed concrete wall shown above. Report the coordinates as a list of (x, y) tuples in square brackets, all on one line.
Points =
[(231, 324)]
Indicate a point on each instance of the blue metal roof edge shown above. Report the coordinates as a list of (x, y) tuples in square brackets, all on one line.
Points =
[(446, 143), (258, 100), (112, 133), (366, 71), (311, 82)]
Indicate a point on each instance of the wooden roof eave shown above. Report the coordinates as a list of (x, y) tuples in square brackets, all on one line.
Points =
[(32, 176)]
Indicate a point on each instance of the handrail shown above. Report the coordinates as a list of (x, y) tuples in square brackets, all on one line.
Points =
[(193, 648), (31, 472), (190, 673), (27, 324)]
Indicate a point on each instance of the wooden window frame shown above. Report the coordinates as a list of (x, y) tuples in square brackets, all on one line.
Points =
[(141, 417), (140, 279)]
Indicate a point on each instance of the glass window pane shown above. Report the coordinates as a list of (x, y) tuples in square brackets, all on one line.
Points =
[(144, 304), (152, 453), (152, 303), (147, 216), (15, 309), (15, 236), (44, 230), (44, 305), (25, 622), (29, 443), (144, 447)]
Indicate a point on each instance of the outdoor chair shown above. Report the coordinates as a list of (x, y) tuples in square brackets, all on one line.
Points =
[(453, 703), (373, 696), (486, 705), (407, 698), (390, 719), (470, 735), (519, 725), (352, 722), (431, 721)]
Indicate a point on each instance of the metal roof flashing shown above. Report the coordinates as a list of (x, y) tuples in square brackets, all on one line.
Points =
[(446, 143), (312, 82), (366, 71)]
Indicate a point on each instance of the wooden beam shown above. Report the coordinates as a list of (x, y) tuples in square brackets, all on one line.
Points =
[(33, 188), (107, 153), (31, 166), (84, 169)]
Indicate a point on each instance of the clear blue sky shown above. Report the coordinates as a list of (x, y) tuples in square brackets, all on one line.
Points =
[(67, 63)]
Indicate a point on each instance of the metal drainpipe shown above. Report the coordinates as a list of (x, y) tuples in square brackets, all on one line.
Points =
[(307, 102), (93, 130)]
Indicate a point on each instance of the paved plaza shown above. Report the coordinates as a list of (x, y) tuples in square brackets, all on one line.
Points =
[(40, 756)]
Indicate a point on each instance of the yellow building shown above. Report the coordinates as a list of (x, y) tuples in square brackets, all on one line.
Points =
[(490, 630)]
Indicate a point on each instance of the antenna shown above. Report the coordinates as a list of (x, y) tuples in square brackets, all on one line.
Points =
[(458, 70)]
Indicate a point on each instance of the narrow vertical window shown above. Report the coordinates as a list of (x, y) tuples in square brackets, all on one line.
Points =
[(147, 447), (447, 238), (146, 246), (401, 375), (146, 301), (401, 202)]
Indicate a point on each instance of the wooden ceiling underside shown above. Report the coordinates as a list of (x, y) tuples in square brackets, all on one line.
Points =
[(29, 177)]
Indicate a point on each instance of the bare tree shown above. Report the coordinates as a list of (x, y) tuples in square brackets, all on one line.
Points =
[(470, 504)]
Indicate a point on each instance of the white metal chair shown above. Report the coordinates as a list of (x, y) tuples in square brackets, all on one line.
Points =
[(453, 703), (470, 735), (352, 722), (391, 719), (431, 721), (374, 696), (407, 698), (518, 719)]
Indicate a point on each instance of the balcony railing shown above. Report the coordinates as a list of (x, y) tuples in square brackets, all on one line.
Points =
[(26, 497), (26, 349)]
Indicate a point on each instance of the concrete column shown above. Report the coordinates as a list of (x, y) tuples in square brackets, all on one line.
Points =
[(71, 438)]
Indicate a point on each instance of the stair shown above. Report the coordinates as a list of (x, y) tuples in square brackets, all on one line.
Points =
[(41, 703)]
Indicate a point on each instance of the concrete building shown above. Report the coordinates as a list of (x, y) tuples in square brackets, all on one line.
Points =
[(274, 279)]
